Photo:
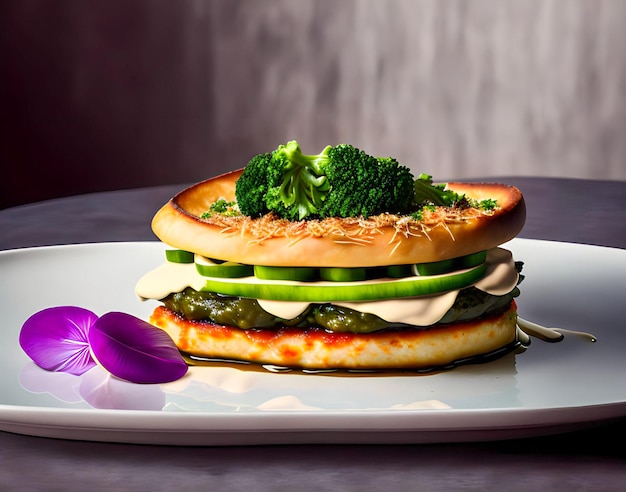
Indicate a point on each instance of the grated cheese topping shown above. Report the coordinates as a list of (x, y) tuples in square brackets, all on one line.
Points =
[(353, 230)]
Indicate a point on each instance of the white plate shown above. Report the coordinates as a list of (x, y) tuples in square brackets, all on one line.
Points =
[(551, 387)]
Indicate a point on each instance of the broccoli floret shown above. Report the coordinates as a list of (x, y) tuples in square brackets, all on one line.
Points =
[(427, 193), (487, 204), (297, 185), (252, 186), (284, 181), (223, 207), (340, 181), (363, 185)]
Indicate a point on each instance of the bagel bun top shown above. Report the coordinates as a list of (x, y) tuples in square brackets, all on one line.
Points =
[(354, 242)]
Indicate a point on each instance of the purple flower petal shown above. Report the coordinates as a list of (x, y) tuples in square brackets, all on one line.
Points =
[(134, 350), (56, 339)]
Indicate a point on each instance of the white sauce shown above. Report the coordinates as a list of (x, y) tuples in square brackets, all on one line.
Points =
[(167, 278), (419, 311), (501, 275), (550, 334), (283, 309), (500, 278)]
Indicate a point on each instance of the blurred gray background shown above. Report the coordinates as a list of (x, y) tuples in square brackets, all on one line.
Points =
[(98, 95)]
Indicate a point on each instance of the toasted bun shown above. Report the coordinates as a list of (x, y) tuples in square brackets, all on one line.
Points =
[(314, 348), (378, 241)]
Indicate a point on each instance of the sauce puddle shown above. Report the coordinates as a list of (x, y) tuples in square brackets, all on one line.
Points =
[(517, 346)]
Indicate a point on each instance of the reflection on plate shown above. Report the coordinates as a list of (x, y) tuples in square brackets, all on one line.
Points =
[(548, 388)]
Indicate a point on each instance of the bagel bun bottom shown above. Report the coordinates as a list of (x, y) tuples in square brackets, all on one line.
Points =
[(438, 347)]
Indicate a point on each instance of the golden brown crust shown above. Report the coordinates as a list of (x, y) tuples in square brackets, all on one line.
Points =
[(384, 240), (318, 349)]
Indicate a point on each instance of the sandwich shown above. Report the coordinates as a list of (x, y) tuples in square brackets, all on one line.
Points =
[(337, 261)]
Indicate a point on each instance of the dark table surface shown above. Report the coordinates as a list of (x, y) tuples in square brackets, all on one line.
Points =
[(581, 211)]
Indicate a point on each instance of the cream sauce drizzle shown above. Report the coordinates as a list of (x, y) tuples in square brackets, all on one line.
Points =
[(550, 334)]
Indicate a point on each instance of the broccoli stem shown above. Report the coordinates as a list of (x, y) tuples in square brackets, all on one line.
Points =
[(298, 159), (304, 182)]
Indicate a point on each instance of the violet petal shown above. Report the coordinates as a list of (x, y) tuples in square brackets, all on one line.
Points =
[(56, 339), (134, 350)]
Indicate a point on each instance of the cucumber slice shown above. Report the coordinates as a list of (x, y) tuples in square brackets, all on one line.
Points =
[(445, 266), (301, 274), (178, 256), (226, 269), (367, 290), (434, 268), (399, 271), (338, 274)]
